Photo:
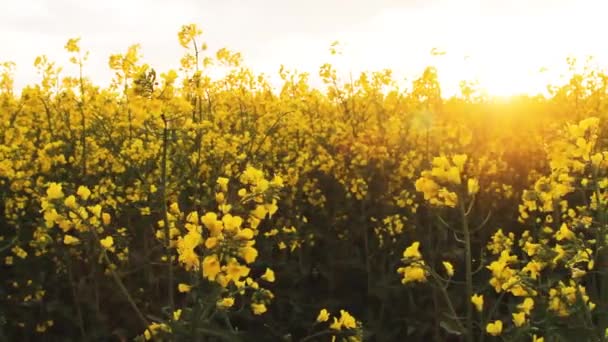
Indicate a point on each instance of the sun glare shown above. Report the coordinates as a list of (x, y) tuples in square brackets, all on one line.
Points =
[(508, 53)]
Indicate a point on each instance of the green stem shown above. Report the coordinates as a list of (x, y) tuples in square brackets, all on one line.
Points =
[(119, 282), (468, 270), (75, 297), (445, 294), (313, 337)]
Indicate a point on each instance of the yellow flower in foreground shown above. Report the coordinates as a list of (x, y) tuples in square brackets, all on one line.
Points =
[(527, 305), (245, 234), (223, 183), (249, 254), (323, 316), (107, 242), (211, 242), (495, 328), (225, 303), (258, 309), (477, 300), (412, 251), (83, 192), (211, 267), (459, 160), (472, 186), (54, 191), (346, 320), (268, 275), (70, 202), (415, 272), (519, 319), (70, 240), (538, 339), (95, 210), (106, 218), (183, 288), (564, 233), (449, 269)]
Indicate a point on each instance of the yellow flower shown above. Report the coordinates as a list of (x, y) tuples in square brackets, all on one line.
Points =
[(177, 314), (527, 305), (472, 186), (174, 208), (272, 208), (268, 275), (336, 325), (95, 210), (20, 252), (211, 242), (259, 212), (414, 272), (323, 316), (428, 187), (232, 223), (220, 198), (560, 251), (258, 309), (225, 303), (214, 225), (531, 248), (453, 175), (459, 160), (577, 273), (495, 328), (249, 254), (564, 233), (54, 191), (70, 202), (538, 339), (183, 288), (72, 45), (347, 320), (223, 183), (83, 192), (211, 267), (245, 234), (106, 218), (412, 251), (236, 271), (277, 181), (477, 300), (449, 269), (70, 240), (107, 242), (519, 319)]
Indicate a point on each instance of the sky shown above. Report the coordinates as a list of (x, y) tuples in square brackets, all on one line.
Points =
[(501, 43)]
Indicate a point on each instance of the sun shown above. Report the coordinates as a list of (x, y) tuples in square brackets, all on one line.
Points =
[(499, 75)]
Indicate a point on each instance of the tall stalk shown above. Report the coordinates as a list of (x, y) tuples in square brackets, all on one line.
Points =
[(468, 269), (165, 217)]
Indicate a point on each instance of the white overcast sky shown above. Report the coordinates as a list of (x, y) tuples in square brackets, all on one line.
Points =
[(507, 40)]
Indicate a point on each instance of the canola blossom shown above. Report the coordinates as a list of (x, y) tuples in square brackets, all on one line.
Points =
[(172, 205)]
